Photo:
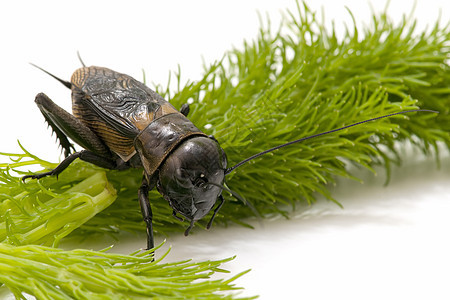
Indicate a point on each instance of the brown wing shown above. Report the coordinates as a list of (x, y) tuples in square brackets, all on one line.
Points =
[(115, 106)]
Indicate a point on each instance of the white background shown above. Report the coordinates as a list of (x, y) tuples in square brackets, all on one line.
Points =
[(388, 243)]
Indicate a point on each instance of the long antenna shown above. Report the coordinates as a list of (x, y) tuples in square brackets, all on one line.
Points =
[(229, 170)]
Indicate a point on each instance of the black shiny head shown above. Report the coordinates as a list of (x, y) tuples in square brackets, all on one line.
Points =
[(185, 174)]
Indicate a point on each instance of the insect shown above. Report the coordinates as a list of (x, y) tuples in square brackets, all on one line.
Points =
[(121, 123)]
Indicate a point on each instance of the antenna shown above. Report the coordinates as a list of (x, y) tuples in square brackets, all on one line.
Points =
[(229, 170)]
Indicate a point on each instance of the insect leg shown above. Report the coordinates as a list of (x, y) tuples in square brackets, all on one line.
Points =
[(61, 137), (85, 155), (185, 109), (67, 125), (146, 210)]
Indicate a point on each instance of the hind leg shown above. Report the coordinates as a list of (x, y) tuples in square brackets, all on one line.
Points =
[(65, 126)]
